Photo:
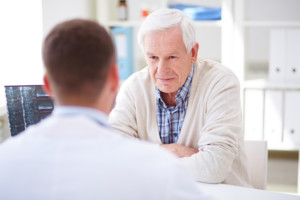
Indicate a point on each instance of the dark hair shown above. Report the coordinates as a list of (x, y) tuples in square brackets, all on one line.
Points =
[(77, 55)]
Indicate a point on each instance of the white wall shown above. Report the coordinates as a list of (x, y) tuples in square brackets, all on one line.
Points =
[(20, 39), (56, 11)]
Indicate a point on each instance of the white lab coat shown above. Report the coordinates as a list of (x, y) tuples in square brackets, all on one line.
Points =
[(73, 157)]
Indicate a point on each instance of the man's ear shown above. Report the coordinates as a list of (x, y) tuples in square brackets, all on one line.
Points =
[(194, 52), (114, 76), (47, 88)]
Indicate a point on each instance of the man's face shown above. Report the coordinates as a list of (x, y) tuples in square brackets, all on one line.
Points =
[(168, 60)]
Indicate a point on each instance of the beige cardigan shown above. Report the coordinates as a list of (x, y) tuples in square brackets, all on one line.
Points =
[(212, 124)]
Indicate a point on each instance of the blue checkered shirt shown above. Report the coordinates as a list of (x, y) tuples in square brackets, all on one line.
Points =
[(170, 119)]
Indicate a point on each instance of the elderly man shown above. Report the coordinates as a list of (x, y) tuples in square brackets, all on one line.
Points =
[(75, 154), (189, 105)]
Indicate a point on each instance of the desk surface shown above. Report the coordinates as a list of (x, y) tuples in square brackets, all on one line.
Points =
[(230, 192)]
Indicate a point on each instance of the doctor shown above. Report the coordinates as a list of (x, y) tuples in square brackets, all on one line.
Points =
[(74, 153)]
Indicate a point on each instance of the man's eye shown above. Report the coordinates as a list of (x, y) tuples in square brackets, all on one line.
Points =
[(172, 57), (152, 57)]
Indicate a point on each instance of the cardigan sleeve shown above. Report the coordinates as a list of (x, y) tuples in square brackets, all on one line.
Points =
[(218, 143), (123, 116)]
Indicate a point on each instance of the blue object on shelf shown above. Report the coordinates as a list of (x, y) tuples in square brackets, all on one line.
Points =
[(123, 38), (199, 12)]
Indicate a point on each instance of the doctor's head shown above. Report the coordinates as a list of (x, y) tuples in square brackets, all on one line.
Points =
[(80, 62)]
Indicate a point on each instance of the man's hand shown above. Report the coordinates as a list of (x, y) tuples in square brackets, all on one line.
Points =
[(180, 150)]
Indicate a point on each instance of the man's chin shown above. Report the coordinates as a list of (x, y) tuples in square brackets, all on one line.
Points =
[(166, 89)]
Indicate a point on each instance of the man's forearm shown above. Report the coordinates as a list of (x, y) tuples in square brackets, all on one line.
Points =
[(180, 150)]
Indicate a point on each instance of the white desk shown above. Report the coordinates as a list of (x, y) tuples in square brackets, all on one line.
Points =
[(230, 192)]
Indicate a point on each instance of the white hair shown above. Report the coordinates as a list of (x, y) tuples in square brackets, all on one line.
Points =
[(166, 18)]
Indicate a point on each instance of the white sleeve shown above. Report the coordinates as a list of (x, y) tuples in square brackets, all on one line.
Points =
[(218, 144), (123, 117)]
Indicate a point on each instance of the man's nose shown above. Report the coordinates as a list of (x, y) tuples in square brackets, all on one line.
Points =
[(162, 67)]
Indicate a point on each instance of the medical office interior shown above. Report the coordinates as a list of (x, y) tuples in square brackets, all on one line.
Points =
[(258, 39)]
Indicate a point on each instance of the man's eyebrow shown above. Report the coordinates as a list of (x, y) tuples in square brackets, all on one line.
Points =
[(149, 53), (173, 53)]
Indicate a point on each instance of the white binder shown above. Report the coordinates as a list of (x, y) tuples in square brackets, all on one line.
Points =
[(284, 57), (293, 56), (277, 55)]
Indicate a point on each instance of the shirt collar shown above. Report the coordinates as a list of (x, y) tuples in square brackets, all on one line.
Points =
[(182, 93), (91, 113)]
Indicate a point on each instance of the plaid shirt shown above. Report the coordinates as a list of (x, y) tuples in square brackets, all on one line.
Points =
[(170, 119)]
